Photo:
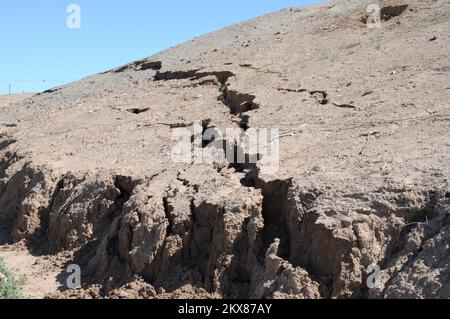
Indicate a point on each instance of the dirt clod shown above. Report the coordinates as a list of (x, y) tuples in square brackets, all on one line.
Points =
[(361, 179)]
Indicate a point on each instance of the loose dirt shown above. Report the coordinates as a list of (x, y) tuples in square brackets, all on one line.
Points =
[(87, 176)]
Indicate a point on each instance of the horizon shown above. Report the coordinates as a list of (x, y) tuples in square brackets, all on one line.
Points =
[(70, 42)]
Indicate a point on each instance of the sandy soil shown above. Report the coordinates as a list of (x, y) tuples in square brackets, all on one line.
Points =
[(6, 100), (86, 169)]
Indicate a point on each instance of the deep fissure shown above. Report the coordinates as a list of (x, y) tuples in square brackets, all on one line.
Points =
[(322, 97), (140, 66), (275, 211), (387, 13), (390, 12), (6, 143), (275, 194), (168, 211), (125, 185)]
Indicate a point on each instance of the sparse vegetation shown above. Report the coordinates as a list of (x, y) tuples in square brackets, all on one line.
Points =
[(10, 287)]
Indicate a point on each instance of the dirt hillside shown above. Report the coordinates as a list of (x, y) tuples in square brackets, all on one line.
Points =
[(6, 100), (87, 174)]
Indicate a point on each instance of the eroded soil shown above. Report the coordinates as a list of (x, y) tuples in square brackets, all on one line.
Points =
[(87, 178)]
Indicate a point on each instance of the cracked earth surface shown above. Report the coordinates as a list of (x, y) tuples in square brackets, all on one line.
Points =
[(86, 175)]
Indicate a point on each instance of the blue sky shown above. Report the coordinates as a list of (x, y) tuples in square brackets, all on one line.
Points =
[(36, 44)]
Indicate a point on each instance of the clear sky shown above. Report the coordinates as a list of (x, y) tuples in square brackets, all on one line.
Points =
[(37, 45)]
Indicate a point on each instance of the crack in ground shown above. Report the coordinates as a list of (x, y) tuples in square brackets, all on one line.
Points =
[(193, 75), (6, 143), (168, 211), (387, 13), (275, 212), (48, 91), (322, 97), (125, 185), (238, 104), (275, 205), (142, 65)]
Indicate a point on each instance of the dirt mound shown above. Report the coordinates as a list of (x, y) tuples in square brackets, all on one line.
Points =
[(358, 206), (6, 100)]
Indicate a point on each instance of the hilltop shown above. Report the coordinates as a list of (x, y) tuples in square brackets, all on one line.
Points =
[(87, 174)]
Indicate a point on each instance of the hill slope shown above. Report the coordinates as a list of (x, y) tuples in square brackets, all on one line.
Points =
[(363, 175)]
